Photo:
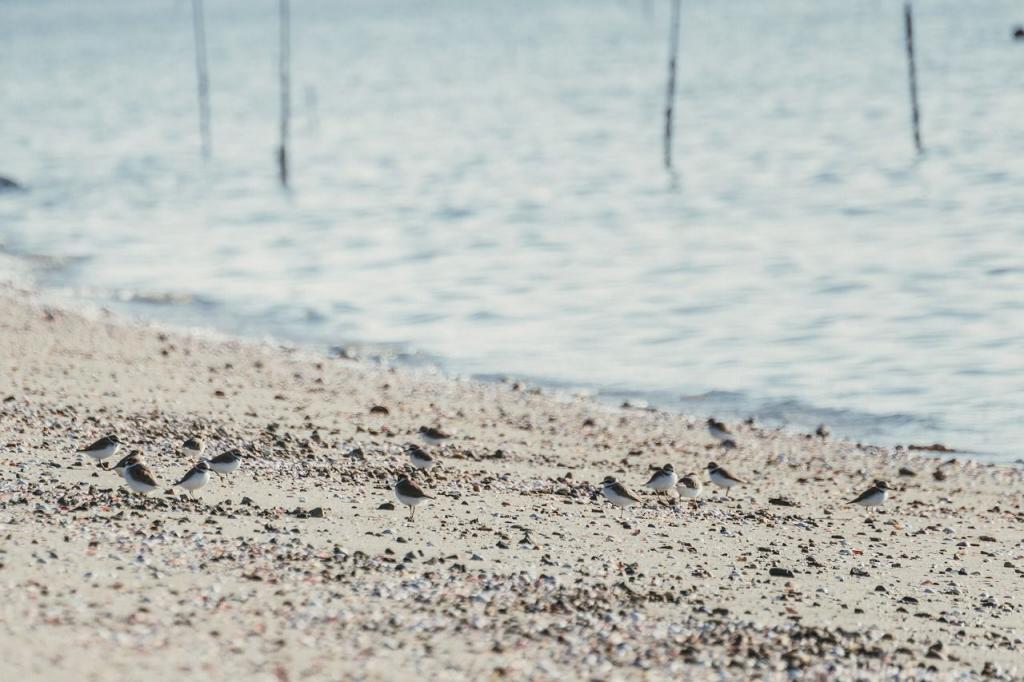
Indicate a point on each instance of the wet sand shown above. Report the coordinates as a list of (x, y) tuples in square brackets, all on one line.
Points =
[(290, 569)]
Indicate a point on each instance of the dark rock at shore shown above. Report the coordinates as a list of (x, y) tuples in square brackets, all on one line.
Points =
[(934, 447)]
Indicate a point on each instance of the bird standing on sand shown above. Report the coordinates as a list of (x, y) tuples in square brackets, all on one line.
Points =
[(196, 478), (720, 432), (103, 448), (618, 494), (432, 435), (663, 479), (410, 494), (194, 446), (419, 458), (226, 462), (722, 478), (689, 486), (133, 457), (140, 479), (873, 496)]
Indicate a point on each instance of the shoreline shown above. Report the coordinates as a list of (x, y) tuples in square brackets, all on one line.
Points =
[(513, 556), (389, 354)]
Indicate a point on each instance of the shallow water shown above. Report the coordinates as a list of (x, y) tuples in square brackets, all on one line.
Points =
[(480, 185)]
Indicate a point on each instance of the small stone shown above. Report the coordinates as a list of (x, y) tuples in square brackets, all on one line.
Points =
[(990, 669), (387, 506), (317, 512), (780, 572), (379, 409)]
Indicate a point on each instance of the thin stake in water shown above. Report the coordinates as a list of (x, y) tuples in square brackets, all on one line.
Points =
[(908, 21), (285, 54), (202, 78), (671, 89)]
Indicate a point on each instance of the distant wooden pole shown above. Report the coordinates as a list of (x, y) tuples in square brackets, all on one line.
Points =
[(202, 78), (671, 89), (285, 54), (908, 21)]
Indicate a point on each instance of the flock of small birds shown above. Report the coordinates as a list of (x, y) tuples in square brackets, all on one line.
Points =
[(665, 479), (139, 478)]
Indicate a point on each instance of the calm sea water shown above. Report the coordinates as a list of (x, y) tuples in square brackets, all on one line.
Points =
[(479, 184)]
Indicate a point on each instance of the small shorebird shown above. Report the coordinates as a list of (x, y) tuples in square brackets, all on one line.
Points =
[(226, 462), (103, 448), (873, 496), (722, 478), (432, 435), (194, 446), (419, 457), (140, 479), (720, 432), (410, 494), (196, 478), (133, 457), (618, 494), (689, 486), (663, 479)]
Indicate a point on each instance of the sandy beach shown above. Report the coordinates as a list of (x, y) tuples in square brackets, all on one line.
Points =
[(302, 566)]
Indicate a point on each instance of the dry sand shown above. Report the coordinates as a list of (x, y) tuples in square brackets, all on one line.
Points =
[(515, 570)]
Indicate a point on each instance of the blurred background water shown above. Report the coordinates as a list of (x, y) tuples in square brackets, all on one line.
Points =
[(478, 185)]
